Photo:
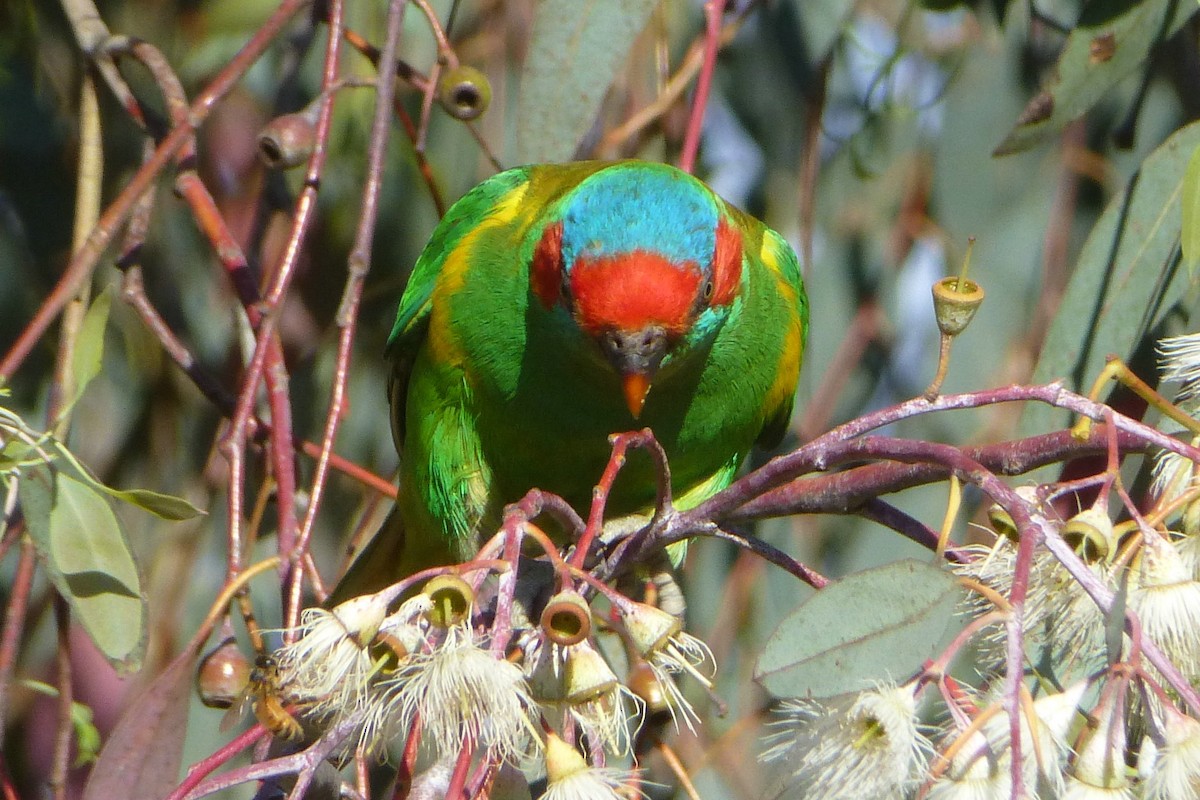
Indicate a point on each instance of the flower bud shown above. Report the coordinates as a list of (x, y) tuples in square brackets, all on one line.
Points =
[(644, 683), (586, 675), (562, 760), (955, 301), (567, 619), (650, 628), (452, 598), (289, 140), (222, 675), (464, 92), (1090, 534)]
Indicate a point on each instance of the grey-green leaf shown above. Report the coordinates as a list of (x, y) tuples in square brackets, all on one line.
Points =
[(881, 624), (1128, 278), (88, 558), (1189, 240), (1097, 55), (575, 50), (164, 506), (89, 344)]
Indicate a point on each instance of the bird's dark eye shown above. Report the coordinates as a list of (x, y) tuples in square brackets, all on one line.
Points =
[(708, 290)]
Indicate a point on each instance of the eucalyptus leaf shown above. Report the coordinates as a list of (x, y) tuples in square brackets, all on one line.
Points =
[(1098, 53), (14, 454), (88, 559), (164, 506), (575, 50), (1127, 279), (1189, 240), (880, 624), (89, 344)]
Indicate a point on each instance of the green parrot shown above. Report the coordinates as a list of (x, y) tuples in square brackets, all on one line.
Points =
[(557, 304)]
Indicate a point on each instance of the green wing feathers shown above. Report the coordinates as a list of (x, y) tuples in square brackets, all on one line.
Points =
[(785, 285), (412, 318)]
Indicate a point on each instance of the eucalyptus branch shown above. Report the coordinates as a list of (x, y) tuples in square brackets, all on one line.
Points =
[(814, 455)]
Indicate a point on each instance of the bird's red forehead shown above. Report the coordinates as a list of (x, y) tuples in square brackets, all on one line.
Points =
[(632, 290)]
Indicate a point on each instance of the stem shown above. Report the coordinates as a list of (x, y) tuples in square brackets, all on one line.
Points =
[(85, 258), (713, 11)]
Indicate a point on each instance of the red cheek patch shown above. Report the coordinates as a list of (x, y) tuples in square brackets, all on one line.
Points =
[(633, 290), (727, 264), (545, 273)]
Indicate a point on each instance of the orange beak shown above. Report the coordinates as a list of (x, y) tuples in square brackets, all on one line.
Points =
[(636, 386)]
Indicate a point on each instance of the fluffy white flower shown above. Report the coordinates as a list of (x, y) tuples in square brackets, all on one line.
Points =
[(994, 567), (1175, 774), (975, 773), (569, 777), (982, 767), (856, 747), (669, 650), (1179, 360), (576, 679), (463, 695), (329, 664), (1099, 769), (1167, 600)]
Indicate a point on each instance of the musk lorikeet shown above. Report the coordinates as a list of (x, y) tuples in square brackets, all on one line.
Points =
[(557, 304)]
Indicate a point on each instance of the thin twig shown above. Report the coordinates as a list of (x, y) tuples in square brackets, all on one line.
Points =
[(14, 622), (713, 11), (84, 260)]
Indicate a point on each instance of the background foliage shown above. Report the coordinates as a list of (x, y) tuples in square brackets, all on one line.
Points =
[(876, 135)]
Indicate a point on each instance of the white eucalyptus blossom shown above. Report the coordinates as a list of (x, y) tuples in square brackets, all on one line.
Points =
[(855, 747), (1175, 771), (570, 777), (1076, 624), (329, 665), (463, 695), (1174, 474), (983, 766), (1179, 360), (1099, 769), (975, 773), (994, 566), (1167, 601), (669, 650), (1188, 547), (577, 680)]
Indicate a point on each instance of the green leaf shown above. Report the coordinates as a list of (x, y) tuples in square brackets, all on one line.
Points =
[(575, 50), (1127, 279), (14, 453), (1189, 239), (87, 735), (164, 506), (1098, 53), (874, 625), (89, 344), (87, 557)]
